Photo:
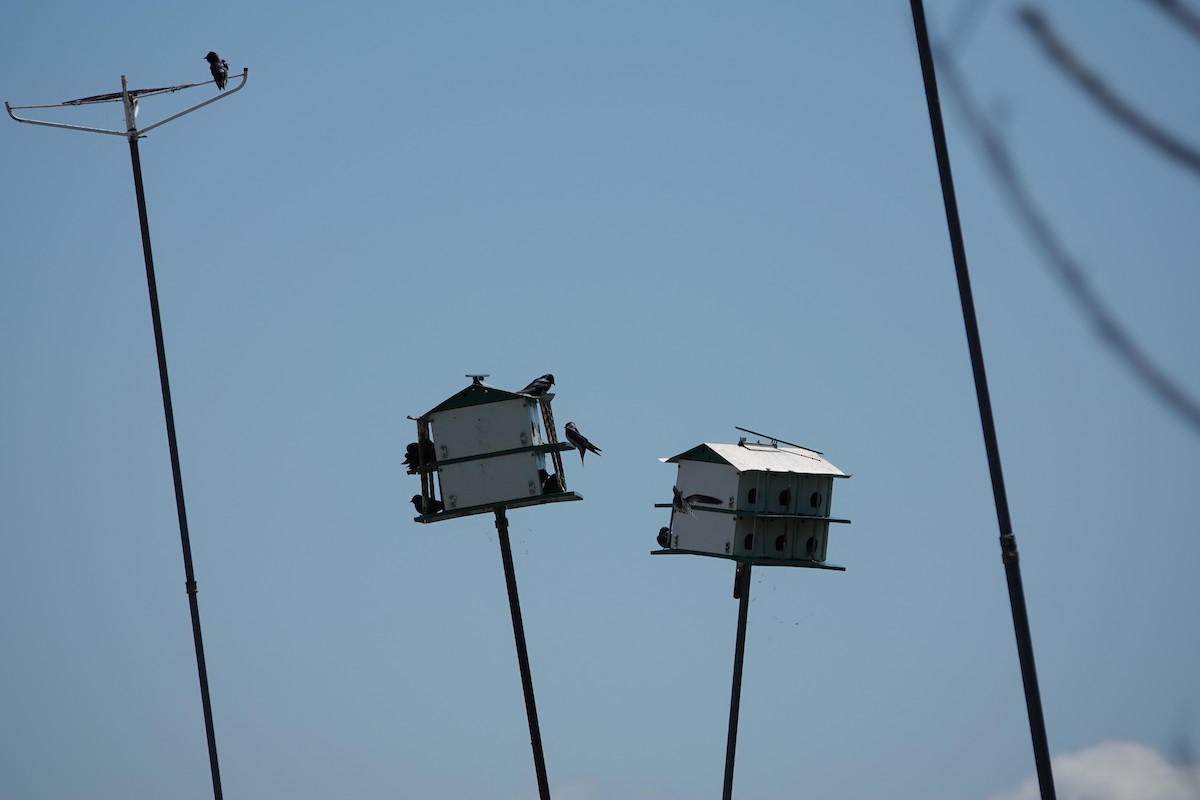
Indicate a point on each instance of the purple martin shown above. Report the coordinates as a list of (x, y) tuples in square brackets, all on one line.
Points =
[(551, 484), (539, 386), (415, 455), (683, 505), (664, 538), (426, 505), (219, 68), (580, 441)]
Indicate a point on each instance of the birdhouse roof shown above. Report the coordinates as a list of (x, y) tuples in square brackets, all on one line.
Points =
[(756, 457), (476, 394)]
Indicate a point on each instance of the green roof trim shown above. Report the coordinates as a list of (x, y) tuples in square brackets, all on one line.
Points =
[(476, 395), (700, 452)]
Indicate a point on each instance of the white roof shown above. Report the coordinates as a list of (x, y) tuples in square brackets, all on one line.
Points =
[(753, 456)]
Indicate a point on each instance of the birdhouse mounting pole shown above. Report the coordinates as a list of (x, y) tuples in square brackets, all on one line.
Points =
[(514, 603), (1008, 540), (741, 586)]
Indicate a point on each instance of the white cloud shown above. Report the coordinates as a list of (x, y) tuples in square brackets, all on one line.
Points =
[(1115, 771)]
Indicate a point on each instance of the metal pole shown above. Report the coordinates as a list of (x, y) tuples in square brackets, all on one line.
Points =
[(169, 413), (1008, 540), (742, 591), (514, 603)]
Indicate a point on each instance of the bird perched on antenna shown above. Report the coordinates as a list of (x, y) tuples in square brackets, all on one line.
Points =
[(539, 386), (219, 68), (683, 505), (580, 441)]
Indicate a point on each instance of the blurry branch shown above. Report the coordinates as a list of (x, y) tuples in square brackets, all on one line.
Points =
[(1182, 14), (1064, 267), (964, 23), (1099, 91)]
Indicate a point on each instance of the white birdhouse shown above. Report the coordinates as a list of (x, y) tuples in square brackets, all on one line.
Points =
[(757, 503), (487, 448)]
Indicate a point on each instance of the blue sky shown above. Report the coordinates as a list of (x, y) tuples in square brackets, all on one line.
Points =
[(697, 216)]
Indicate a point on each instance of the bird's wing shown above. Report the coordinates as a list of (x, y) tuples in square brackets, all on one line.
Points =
[(704, 498)]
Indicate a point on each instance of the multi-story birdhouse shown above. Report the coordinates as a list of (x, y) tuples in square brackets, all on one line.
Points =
[(486, 447), (752, 502)]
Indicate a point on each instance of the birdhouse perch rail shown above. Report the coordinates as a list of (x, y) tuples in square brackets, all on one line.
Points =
[(432, 466), (536, 500), (757, 514), (760, 561)]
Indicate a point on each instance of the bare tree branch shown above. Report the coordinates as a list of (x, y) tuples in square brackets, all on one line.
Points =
[(1064, 267), (1183, 14), (1099, 91)]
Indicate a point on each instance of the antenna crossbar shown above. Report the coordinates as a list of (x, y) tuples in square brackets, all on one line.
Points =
[(777, 441)]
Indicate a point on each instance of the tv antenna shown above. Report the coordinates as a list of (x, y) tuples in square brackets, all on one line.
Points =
[(129, 100), (776, 441)]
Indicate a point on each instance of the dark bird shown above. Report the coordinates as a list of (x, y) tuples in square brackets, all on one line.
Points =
[(427, 505), (539, 386), (551, 484), (414, 452), (219, 68), (580, 441), (664, 538), (412, 455), (683, 505)]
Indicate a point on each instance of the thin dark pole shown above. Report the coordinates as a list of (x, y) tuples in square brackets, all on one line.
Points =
[(1008, 540), (742, 581), (514, 603), (169, 412)]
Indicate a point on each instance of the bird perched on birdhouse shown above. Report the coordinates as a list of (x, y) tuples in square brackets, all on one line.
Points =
[(487, 447)]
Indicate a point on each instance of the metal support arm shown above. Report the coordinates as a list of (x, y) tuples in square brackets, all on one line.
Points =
[(131, 132)]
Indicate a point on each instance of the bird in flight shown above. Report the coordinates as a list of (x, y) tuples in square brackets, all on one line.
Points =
[(683, 505), (539, 386), (219, 68), (579, 440)]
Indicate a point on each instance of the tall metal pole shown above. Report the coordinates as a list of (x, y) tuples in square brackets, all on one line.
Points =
[(514, 603), (1008, 540), (742, 591), (169, 413), (132, 133)]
